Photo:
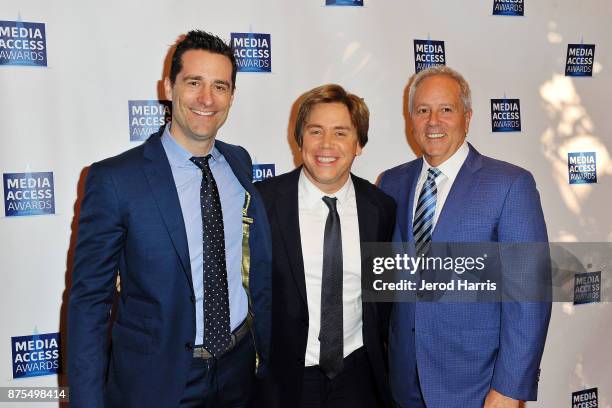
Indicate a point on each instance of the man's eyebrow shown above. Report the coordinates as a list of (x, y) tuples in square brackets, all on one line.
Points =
[(220, 81), (201, 78), (340, 127), (192, 77)]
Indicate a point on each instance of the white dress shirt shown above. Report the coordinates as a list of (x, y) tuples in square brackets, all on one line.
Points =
[(313, 215), (449, 170)]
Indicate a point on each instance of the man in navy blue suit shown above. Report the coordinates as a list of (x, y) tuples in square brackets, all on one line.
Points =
[(444, 354), (170, 217)]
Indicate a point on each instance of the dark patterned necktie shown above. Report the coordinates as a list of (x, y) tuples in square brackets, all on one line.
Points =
[(217, 335), (422, 225), (331, 336)]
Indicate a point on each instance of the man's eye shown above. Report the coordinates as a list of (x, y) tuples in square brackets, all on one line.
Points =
[(193, 83), (422, 110), (221, 88)]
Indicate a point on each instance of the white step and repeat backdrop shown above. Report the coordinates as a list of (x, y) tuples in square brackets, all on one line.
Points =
[(80, 82)]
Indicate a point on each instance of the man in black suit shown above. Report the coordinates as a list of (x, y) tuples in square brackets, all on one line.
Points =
[(327, 345)]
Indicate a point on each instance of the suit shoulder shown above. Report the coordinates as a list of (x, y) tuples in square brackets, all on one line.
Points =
[(373, 192), (122, 161), (400, 169), (272, 184), (504, 170), (236, 149)]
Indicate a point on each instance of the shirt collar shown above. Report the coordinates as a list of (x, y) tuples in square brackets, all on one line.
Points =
[(177, 155), (450, 168), (311, 194)]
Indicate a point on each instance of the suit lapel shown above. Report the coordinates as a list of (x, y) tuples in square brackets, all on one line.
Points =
[(239, 167), (407, 200), (159, 175), (459, 196), (367, 213), (368, 217)]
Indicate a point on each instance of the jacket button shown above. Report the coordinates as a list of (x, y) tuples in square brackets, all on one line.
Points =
[(192, 297), (189, 346)]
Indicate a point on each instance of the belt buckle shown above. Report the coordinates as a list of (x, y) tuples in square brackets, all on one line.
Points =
[(201, 352), (233, 342)]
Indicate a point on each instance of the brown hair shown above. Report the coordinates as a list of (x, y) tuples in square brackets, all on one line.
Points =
[(358, 111)]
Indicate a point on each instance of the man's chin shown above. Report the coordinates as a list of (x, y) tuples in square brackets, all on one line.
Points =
[(203, 136)]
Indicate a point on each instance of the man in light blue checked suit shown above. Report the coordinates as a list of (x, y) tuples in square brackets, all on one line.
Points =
[(462, 354)]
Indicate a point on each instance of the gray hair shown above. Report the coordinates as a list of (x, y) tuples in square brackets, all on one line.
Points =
[(465, 94)]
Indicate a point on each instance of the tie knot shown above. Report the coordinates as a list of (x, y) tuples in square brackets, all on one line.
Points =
[(201, 162), (330, 202), (432, 173)]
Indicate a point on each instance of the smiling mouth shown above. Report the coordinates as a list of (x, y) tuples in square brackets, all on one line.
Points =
[(202, 113), (435, 135), (326, 159)]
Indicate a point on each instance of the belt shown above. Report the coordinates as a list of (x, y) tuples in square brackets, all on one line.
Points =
[(236, 336)]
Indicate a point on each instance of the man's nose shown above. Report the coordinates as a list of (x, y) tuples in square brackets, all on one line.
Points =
[(205, 96)]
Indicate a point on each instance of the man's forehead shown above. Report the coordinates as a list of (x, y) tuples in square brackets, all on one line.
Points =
[(439, 81), (203, 59)]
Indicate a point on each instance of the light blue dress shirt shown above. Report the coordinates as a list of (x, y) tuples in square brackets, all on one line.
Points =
[(188, 178)]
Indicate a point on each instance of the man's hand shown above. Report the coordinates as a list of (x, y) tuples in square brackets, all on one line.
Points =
[(496, 400)]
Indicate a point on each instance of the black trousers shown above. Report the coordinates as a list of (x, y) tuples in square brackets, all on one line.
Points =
[(354, 387), (225, 382)]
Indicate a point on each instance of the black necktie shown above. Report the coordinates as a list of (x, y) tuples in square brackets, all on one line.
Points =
[(217, 335), (331, 337)]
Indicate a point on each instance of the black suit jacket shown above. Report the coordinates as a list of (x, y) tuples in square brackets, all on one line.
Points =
[(376, 213)]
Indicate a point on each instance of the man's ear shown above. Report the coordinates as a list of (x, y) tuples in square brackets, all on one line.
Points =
[(468, 117), (168, 88)]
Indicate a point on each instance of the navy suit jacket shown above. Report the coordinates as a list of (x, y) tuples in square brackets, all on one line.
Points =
[(131, 222), (376, 213), (461, 350)]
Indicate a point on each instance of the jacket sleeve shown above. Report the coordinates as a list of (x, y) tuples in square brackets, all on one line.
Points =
[(100, 241), (524, 317)]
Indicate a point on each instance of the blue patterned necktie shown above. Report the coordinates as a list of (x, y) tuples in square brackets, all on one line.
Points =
[(422, 224), (217, 335)]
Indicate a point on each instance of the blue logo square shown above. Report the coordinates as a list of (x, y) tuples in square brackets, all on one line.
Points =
[(36, 355), (253, 52), (505, 115), (23, 43), (587, 287), (147, 116), (508, 8), (263, 171), (428, 53), (353, 3), (582, 167), (28, 194), (585, 398), (580, 58)]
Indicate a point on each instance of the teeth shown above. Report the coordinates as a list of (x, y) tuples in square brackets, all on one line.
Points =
[(435, 135), (201, 113), (326, 159)]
